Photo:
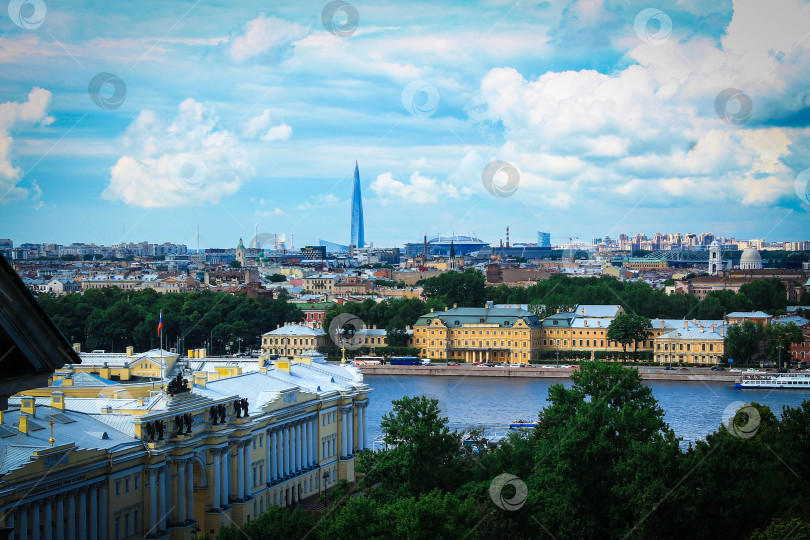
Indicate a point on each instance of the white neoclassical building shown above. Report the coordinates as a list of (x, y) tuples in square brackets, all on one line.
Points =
[(125, 461)]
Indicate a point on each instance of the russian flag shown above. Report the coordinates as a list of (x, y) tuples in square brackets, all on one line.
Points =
[(160, 322)]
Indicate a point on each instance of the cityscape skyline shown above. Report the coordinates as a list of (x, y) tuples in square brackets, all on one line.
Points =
[(623, 130)]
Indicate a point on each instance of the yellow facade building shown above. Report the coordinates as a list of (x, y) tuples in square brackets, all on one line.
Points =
[(489, 334), (125, 461)]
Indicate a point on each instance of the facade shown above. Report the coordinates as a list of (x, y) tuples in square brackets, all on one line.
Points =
[(643, 263), (294, 339), (543, 240), (691, 345), (738, 317), (314, 312), (489, 334), (320, 283), (358, 238), (353, 285), (152, 464), (715, 258)]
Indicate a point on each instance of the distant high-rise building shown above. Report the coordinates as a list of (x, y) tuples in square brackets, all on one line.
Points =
[(543, 239), (358, 237)]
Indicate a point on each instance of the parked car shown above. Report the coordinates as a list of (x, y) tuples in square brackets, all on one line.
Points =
[(489, 364), (427, 362), (718, 368), (735, 370), (452, 363), (669, 368), (685, 369)]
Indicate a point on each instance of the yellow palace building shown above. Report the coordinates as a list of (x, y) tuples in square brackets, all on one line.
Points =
[(98, 459)]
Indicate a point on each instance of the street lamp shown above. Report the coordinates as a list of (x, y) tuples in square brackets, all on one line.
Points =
[(325, 479)]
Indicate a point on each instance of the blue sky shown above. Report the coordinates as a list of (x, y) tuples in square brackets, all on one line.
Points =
[(229, 115)]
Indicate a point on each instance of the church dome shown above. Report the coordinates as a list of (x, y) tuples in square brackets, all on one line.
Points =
[(750, 255), (750, 260)]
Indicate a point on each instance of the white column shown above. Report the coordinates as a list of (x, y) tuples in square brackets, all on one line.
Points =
[(313, 439), (23, 523), (365, 445), (48, 521), (215, 457), (351, 430), (224, 480), (60, 517), (268, 467), (344, 439), (272, 453), (82, 513), (302, 444), (286, 451), (152, 497), (249, 468), (180, 485), (359, 428), (93, 512), (71, 530), (35, 509), (240, 471), (189, 490), (297, 448), (165, 497), (102, 509), (161, 498)]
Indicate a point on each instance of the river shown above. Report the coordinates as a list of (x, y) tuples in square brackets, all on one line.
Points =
[(692, 409)]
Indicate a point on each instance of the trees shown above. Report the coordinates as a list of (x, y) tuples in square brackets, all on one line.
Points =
[(744, 342), (235, 264), (629, 328), (604, 455), (277, 278), (782, 335), (467, 289), (111, 318), (426, 450)]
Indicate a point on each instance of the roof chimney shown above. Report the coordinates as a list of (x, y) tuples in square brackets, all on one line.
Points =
[(58, 400), (28, 405), (686, 324), (662, 325), (23, 424), (455, 306)]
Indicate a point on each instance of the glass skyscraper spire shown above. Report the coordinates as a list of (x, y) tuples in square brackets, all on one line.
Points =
[(358, 237)]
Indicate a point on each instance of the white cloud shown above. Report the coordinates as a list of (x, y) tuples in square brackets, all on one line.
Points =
[(189, 161), (265, 37), (650, 130), (13, 114), (260, 126), (270, 213), (417, 190), (320, 201)]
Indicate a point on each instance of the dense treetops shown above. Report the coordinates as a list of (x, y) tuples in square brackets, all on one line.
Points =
[(601, 463), (111, 318)]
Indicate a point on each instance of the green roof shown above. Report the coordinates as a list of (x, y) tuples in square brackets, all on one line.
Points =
[(504, 317)]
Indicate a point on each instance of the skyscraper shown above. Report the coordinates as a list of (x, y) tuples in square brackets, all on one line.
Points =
[(543, 239), (358, 237)]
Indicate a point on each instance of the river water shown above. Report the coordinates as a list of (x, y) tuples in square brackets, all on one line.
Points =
[(692, 409)]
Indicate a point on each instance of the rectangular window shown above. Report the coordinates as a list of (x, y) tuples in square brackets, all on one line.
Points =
[(135, 523), (136, 481), (117, 528), (118, 487), (126, 485), (126, 525)]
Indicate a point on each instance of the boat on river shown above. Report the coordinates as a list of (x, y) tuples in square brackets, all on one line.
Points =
[(518, 424), (763, 379)]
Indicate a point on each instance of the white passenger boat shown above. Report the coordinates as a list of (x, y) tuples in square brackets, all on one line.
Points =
[(762, 379)]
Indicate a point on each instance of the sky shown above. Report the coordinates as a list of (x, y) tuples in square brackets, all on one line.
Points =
[(133, 121)]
